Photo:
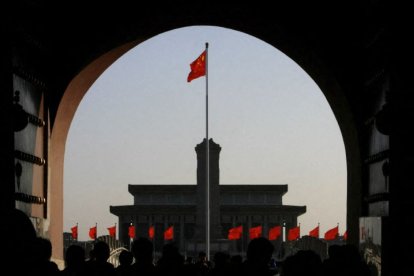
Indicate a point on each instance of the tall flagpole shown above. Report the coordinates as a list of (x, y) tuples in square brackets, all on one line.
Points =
[(130, 239), (318, 230), (207, 167)]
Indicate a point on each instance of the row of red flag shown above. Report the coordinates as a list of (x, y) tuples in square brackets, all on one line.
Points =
[(275, 232), (254, 232), (233, 234), (331, 234), (93, 231), (168, 234)]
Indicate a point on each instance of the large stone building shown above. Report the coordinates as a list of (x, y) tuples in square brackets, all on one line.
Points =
[(183, 206)]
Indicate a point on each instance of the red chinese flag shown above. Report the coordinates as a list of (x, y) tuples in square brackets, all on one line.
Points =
[(169, 233), (235, 233), (131, 231), (345, 237), (274, 233), (315, 232), (331, 234), (255, 232), (92, 233), (151, 232), (112, 231), (293, 233), (198, 67), (74, 230)]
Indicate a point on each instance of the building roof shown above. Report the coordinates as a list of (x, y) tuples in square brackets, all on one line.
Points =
[(182, 188), (192, 209), (160, 188), (254, 188), (159, 209), (246, 209)]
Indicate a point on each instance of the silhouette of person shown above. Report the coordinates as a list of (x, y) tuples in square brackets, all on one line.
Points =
[(74, 261), (42, 252), (344, 260), (259, 254), (142, 249), (304, 262), (91, 255), (100, 266), (125, 262), (171, 262), (201, 265), (221, 264), (236, 262), (20, 240)]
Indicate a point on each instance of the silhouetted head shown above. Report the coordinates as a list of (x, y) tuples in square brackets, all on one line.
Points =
[(351, 253), (142, 249), (125, 257), (307, 262), (170, 251), (221, 258), (236, 259), (334, 251), (75, 256), (101, 251), (20, 235), (171, 256), (260, 251), (43, 248)]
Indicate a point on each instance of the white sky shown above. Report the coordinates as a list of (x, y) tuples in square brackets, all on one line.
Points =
[(140, 121)]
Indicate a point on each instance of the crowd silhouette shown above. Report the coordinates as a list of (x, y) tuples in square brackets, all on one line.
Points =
[(31, 255)]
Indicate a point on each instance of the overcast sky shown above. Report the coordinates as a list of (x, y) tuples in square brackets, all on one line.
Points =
[(140, 121)]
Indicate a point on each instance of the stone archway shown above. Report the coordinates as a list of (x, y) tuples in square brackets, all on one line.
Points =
[(71, 99), (289, 44)]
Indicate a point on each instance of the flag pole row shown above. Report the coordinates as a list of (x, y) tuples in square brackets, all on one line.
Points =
[(234, 233), (168, 233), (275, 233)]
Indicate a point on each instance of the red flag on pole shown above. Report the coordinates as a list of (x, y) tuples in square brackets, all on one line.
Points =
[(255, 232), (112, 231), (131, 231), (331, 234), (198, 67), (169, 233), (345, 237), (151, 232), (92, 232), (74, 230), (235, 233), (314, 232), (275, 232), (294, 233)]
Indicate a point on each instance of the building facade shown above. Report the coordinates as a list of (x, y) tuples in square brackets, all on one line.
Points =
[(184, 208)]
